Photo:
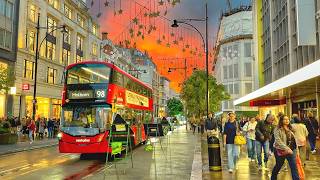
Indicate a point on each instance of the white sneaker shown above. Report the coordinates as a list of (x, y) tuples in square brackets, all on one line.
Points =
[(253, 160), (31, 142), (230, 170), (313, 152)]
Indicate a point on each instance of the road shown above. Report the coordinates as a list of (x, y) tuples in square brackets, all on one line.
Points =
[(46, 163)]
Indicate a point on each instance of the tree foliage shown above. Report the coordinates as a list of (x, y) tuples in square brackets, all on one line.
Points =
[(175, 106), (6, 78), (194, 93)]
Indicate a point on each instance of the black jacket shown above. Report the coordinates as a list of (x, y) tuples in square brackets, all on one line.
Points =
[(265, 129), (211, 124), (312, 126)]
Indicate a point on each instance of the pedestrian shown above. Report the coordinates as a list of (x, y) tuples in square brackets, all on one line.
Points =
[(31, 128), (211, 123), (300, 134), (231, 129), (243, 121), (50, 128), (285, 148), (202, 124), (250, 129), (193, 123), (313, 127), (264, 131), (41, 128)]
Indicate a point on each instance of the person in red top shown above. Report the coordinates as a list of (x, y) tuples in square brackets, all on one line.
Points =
[(31, 128)]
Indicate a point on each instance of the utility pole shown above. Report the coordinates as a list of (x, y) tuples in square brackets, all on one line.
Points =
[(34, 102), (207, 61)]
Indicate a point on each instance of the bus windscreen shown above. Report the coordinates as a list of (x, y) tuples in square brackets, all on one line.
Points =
[(88, 74)]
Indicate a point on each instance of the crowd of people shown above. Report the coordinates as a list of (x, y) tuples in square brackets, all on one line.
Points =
[(281, 136), (40, 128)]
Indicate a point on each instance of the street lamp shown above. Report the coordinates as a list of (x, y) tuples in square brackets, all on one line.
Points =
[(63, 27), (205, 45)]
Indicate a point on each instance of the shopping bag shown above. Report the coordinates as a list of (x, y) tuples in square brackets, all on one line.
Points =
[(239, 140), (300, 167)]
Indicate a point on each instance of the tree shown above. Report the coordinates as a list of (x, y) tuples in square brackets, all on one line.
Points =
[(6, 78), (194, 94), (175, 106)]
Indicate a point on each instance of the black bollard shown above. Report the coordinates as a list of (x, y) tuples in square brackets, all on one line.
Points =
[(214, 153)]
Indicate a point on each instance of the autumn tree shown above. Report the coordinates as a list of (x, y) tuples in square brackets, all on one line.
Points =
[(194, 93)]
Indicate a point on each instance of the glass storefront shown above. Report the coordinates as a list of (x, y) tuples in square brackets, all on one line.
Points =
[(2, 105), (56, 108), (42, 107)]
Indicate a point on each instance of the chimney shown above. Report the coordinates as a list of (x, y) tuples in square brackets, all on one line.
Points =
[(104, 35)]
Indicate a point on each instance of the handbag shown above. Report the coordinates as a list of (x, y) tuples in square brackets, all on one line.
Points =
[(281, 152), (239, 140)]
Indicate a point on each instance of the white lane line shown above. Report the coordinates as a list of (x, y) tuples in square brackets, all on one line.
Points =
[(12, 169), (196, 172)]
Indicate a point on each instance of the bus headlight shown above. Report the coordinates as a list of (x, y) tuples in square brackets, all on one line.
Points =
[(59, 136)]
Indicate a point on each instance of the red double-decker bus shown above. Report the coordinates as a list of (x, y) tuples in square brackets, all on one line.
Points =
[(93, 93)]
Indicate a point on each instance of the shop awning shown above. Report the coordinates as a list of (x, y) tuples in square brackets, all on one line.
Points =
[(301, 82)]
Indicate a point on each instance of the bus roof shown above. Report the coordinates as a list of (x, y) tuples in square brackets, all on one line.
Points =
[(111, 65)]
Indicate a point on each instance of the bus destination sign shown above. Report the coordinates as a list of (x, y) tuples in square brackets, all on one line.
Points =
[(84, 94)]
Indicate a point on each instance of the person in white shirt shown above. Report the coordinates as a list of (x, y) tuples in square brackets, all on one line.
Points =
[(249, 129), (300, 134)]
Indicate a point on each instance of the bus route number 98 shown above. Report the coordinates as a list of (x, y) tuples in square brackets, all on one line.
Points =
[(100, 93)]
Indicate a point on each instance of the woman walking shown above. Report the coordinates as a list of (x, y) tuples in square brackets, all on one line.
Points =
[(249, 129), (31, 128), (300, 133), (285, 148), (229, 133)]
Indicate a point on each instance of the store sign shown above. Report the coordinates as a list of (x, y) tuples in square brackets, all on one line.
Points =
[(25, 87), (274, 102), (85, 94), (136, 99)]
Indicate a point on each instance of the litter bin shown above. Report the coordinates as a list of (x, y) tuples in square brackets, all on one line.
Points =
[(214, 153)]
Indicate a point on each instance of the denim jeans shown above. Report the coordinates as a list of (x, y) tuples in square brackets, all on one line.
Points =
[(251, 148), (50, 132), (31, 135), (292, 163), (265, 146), (233, 154), (312, 140)]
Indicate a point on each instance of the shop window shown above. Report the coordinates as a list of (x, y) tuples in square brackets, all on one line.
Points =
[(52, 75), (28, 69)]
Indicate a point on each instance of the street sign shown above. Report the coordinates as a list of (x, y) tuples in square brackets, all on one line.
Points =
[(25, 87)]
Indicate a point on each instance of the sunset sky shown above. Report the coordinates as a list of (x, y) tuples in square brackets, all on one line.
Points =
[(146, 25)]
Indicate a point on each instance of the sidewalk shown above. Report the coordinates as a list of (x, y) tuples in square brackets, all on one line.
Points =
[(172, 159), (249, 170), (23, 145)]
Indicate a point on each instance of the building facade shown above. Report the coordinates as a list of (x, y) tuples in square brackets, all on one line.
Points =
[(234, 66), (164, 92), (287, 49), (57, 50), (9, 18)]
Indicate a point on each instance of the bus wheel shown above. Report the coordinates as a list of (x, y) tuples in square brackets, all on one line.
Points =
[(83, 156)]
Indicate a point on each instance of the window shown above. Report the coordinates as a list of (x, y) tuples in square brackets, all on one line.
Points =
[(79, 42), (2, 36), (79, 58), (2, 7), (51, 25), (53, 3), (247, 49), (247, 69), (67, 36), (94, 29), (50, 50), (235, 52), (52, 74), (28, 69), (32, 13), (225, 72), (32, 38), (8, 40), (235, 71), (230, 88), (230, 71), (94, 49), (248, 88), (67, 11), (9, 10), (65, 57), (236, 88), (80, 20)]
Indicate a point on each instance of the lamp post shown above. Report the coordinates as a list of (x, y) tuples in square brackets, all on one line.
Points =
[(63, 27), (176, 23)]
